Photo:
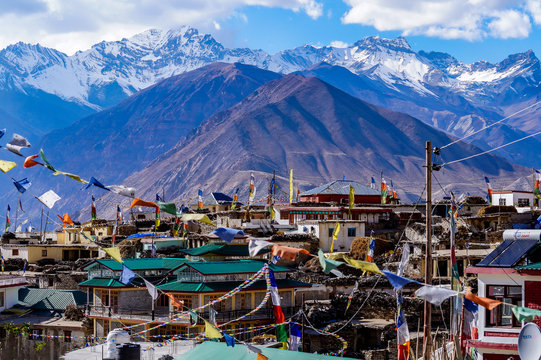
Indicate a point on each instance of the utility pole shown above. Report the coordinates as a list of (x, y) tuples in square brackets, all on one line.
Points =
[(427, 342)]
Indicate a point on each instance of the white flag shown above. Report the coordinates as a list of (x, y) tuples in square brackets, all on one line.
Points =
[(49, 199), (255, 246), (122, 190), (404, 260), (252, 348), (18, 140), (434, 294), (152, 290)]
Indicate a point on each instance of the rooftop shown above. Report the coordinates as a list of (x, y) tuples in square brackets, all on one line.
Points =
[(233, 267), (510, 253), (224, 249), (139, 264), (341, 187), (50, 299), (224, 286)]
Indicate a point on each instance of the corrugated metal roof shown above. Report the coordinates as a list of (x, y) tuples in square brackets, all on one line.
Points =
[(100, 282), (227, 285), (233, 267), (534, 266), (508, 253), (341, 187), (51, 299), (140, 264)]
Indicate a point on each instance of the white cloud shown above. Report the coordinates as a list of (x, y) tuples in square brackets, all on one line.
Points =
[(448, 19), (77, 24), (339, 44)]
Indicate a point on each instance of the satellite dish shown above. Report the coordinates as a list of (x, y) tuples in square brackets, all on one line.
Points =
[(528, 342)]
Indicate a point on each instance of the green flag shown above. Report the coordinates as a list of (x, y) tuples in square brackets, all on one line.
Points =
[(525, 314), (281, 333), (326, 264), (169, 208), (47, 164)]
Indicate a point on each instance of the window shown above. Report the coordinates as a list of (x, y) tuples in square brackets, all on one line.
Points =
[(502, 202), (15, 252), (67, 336), (220, 306), (43, 252), (50, 282), (442, 268), (523, 202), (502, 315), (163, 300), (2, 299), (331, 230), (187, 299), (352, 232)]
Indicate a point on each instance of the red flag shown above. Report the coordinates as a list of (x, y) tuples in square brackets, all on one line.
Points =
[(29, 162), (139, 202)]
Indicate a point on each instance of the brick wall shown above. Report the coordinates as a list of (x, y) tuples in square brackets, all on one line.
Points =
[(532, 291), (135, 300)]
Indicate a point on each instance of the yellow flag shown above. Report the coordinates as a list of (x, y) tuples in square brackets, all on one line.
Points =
[(351, 197), (335, 235), (363, 265), (291, 186), (197, 217), (71, 176), (211, 331), (5, 166), (114, 253)]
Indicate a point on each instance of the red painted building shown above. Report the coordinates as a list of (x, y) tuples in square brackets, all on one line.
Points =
[(338, 191)]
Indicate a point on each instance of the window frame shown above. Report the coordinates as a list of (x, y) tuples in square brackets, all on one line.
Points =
[(494, 318)]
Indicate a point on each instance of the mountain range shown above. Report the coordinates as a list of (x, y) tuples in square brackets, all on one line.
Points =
[(123, 116)]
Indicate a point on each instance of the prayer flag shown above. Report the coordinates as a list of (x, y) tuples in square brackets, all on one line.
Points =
[(19, 140), (255, 246), (537, 191), (251, 193), (211, 331), (176, 303), (95, 182), (8, 222), (169, 208), (127, 275), (114, 253), (93, 209), (398, 282), (67, 220), (371, 249), (335, 235), (227, 234), (275, 296), (350, 297), (22, 185), (200, 199), (5, 166), (71, 176), (281, 333), (229, 340), (2, 132), (193, 316), (49, 199), (372, 183), (197, 217), (252, 349), (122, 190), (157, 217), (212, 315), (139, 202), (487, 303), (384, 191), (261, 357), (435, 294), (290, 186), (118, 214), (152, 290), (47, 164), (402, 331), (489, 191), (29, 161), (525, 314), (327, 264), (404, 259), (3, 263), (235, 199), (351, 197), (363, 265), (287, 252), (294, 337), (470, 315)]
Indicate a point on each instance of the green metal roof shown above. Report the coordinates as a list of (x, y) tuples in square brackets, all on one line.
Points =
[(534, 266), (140, 264), (100, 282), (50, 299), (179, 286), (212, 350), (232, 267), (224, 249)]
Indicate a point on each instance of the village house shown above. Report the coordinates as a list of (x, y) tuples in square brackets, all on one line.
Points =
[(512, 274), (338, 191), (523, 201), (323, 230), (214, 202), (194, 283), (9, 290)]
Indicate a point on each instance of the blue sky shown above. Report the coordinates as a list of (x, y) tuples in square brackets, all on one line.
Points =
[(470, 30)]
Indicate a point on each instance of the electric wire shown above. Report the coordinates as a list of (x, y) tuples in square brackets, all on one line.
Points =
[(491, 125)]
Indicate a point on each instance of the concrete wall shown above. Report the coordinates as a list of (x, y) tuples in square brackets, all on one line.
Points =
[(11, 296), (343, 241)]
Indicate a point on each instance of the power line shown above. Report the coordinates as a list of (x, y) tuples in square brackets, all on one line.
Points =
[(491, 150), (488, 126)]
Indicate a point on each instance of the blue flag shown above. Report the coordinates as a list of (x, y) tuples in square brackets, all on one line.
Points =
[(22, 185), (398, 282), (227, 234), (2, 132), (95, 182), (127, 275), (229, 340)]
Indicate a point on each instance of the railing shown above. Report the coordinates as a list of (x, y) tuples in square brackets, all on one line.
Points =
[(163, 314), (12, 281)]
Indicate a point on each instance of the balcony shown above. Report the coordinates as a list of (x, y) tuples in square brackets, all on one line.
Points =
[(162, 314)]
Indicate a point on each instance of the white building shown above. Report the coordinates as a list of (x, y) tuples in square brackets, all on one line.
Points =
[(9, 290), (323, 230), (522, 200)]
